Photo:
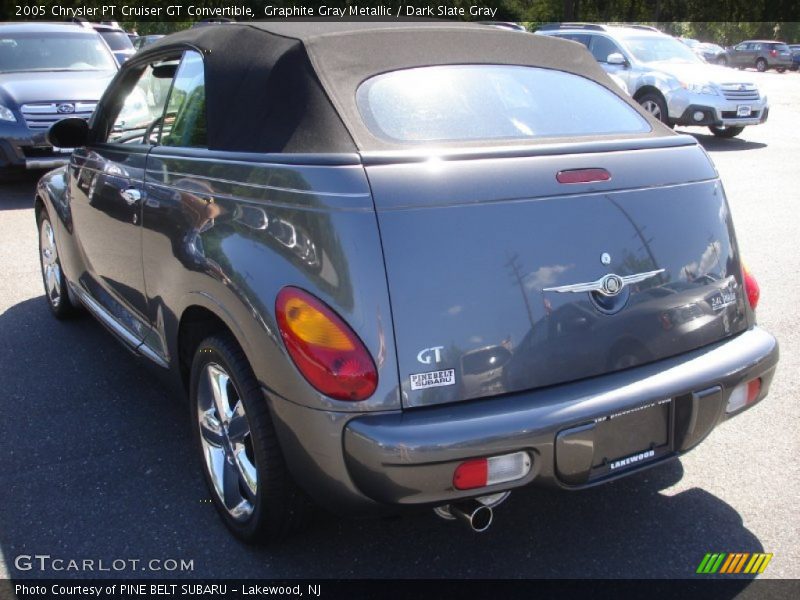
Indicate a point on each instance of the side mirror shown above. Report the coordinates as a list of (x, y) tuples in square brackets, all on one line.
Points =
[(69, 133), (615, 58)]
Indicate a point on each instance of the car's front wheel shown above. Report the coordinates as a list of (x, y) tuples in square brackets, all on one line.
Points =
[(726, 132), (655, 105), (761, 65), (722, 61), (55, 283), (242, 460)]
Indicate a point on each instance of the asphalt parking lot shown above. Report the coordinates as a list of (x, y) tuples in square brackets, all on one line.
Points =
[(97, 462)]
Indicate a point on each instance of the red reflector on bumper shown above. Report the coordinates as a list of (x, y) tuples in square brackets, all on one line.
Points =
[(471, 474)]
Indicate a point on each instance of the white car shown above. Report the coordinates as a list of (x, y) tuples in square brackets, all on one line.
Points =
[(668, 79)]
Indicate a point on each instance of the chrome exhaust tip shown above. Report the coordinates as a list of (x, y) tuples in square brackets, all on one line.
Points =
[(478, 516)]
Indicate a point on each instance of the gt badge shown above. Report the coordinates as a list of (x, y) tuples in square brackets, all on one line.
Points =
[(430, 354)]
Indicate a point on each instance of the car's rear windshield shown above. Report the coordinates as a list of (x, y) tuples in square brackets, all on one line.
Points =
[(117, 40), (491, 102), (781, 47), (53, 52)]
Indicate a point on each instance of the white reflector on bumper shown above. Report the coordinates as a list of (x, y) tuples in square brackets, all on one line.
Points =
[(508, 467)]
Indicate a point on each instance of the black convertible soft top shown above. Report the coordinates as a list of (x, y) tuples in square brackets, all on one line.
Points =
[(290, 86)]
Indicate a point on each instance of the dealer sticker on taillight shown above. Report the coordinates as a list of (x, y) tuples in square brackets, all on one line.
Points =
[(421, 381)]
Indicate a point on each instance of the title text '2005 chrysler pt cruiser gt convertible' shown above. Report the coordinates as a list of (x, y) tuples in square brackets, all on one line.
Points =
[(403, 266)]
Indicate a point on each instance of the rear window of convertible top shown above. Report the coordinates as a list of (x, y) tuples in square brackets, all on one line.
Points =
[(486, 102)]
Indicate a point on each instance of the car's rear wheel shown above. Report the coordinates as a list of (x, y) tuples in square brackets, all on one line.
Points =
[(761, 65), (726, 132), (655, 105), (55, 283), (781, 69), (242, 460)]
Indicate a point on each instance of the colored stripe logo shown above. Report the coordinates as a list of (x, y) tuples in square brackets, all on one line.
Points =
[(734, 562)]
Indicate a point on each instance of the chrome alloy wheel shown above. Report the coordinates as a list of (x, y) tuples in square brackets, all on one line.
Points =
[(653, 108), (227, 444), (51, 270)]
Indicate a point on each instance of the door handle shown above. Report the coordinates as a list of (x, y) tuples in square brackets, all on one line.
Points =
[(131, 195)]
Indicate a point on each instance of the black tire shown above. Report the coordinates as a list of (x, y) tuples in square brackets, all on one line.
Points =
[(761, 65), (781, 69), (53, 277), (280, 507), (654, 104), (722, 61), (726, 132)]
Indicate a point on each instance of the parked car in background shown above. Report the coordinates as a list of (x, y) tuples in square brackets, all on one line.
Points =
[(47, 71), (145, 40), (117, 40), (761, 55), (668, 79), (712, 53), (795, 48), (338, 284)]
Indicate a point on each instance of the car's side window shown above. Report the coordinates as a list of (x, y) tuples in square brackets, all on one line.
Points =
[(578, 37), (185, 118), (601, 47), (136, 118)]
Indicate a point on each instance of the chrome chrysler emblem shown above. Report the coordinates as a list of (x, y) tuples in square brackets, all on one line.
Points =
[(65, 108), (608, 285)]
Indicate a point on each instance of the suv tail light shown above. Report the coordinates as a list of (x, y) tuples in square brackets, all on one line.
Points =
[(773, 52), (325, 350), (751, 287)]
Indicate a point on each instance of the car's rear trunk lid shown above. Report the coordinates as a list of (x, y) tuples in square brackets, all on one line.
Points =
[(481, 253)]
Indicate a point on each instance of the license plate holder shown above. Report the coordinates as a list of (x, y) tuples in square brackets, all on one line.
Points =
[(743, 110), (631, 438)]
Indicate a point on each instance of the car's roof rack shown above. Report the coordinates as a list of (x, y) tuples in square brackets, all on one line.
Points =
[(589, 26)]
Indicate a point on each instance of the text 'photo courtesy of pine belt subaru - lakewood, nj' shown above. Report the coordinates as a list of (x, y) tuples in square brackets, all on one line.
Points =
[(397, 267), (668, 79)]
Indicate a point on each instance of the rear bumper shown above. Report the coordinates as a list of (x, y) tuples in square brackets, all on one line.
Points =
[(408, 458)]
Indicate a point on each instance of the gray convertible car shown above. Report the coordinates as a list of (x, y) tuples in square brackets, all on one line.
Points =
[(398, 266)]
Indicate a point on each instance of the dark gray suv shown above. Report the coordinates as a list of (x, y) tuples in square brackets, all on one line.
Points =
[(761, 55), (403, 267)]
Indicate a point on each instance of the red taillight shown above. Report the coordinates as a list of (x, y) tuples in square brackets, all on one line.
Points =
[(326, 351), (751, 287), (773, 53), (582, 175)]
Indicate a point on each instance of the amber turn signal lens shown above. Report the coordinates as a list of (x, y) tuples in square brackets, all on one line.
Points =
[(322, 346)]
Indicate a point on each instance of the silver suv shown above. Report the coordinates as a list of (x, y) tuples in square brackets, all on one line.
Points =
[(668, 79)]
